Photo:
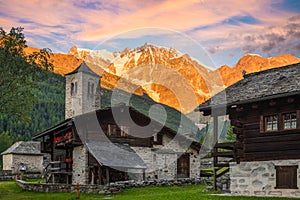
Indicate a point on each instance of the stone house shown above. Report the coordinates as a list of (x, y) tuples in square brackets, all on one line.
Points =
[(264, 110), (96, 145), (23, 157)]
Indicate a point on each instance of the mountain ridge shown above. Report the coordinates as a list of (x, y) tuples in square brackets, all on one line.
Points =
[(164, 74)]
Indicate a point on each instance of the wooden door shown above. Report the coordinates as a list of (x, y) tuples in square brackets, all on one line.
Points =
[(286, 177), (183, 166)]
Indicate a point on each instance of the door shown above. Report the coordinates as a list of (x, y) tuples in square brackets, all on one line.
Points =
[(183, 166)]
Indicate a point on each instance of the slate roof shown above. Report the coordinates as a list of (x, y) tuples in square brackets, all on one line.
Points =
[(83, 67), (26, 148), (103, 150), (268, 84), (115, 155)]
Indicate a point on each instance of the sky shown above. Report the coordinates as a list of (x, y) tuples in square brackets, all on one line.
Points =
[(214, 32)]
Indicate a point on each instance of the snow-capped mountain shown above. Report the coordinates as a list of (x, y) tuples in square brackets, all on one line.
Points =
[(166, 75)]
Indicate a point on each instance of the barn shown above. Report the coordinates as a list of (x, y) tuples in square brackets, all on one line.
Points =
[(23, 157), (264, 110)]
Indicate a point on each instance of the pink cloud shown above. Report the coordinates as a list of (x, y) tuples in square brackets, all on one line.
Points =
[(79, 22)]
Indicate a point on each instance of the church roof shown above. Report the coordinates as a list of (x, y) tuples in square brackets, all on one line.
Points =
[(269, 84), (83, 67), (21, 147)]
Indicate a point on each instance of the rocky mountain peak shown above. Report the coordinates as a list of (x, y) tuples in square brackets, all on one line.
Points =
[(166, 75)]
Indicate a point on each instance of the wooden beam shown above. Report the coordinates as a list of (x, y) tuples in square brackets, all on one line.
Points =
[(254, 106), (215, 122), (223, 172), (225, 145), (272, 103), (100, 175), (272, 139), (107, 175), (239, 109), (224, 154), (215, 179), (298, 119), (215, 142), (222, 165)]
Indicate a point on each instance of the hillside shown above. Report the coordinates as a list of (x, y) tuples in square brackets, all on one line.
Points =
[(48, 111)]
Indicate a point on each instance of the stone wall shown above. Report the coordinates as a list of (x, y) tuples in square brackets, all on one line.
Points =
[(166, 165), (90, 103), (80, 163), (174, 145), (135, 174), (33, 163), (7, 161), (161, 160), (259, 178), (107, 189), (6, 175)]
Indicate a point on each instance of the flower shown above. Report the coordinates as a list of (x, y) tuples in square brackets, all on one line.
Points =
[(68, 135), (57, 139)]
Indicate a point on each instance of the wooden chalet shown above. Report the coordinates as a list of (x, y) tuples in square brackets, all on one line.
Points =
[(264, 111), (99, 148)]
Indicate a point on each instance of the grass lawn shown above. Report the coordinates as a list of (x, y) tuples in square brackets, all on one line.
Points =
[(10, 191)]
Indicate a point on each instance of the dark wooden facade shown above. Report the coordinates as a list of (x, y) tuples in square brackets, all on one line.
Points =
[(254, 142), (264, 110)]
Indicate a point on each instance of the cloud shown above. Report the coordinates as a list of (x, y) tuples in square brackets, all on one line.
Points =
[(297, 47), (219, 26), (278, 39)]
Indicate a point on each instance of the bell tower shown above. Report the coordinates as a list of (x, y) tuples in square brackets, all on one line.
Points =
[(82, 91)]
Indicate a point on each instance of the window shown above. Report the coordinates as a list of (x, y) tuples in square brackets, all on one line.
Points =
[(73, 88), (289, 120), (115, 131), (286, 177), (271, 123), (90, 92), (124, 131), (158, 139), (280, 121), (111, 129)]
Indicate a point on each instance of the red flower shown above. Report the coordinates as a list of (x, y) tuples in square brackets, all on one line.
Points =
[(56, 139), (68, 135)]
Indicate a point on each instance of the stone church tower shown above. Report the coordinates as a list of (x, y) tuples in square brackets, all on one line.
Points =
[(82, 91)]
